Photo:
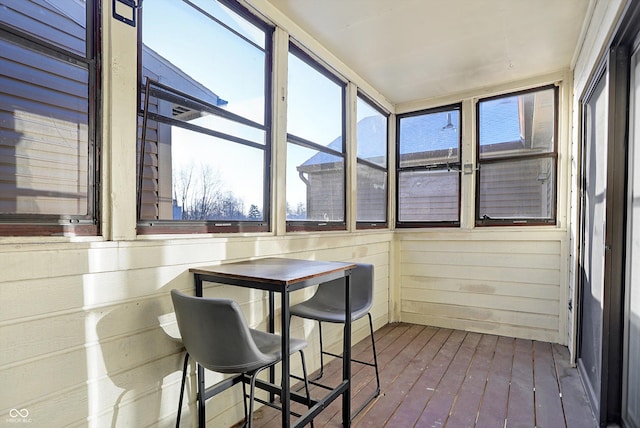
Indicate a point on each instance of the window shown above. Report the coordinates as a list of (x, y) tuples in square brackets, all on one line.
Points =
[(428, 159), (204, 117), (315, 146), (48, 99), (517, 158), (371, 182)]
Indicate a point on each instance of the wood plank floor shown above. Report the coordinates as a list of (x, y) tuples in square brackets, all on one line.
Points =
[(434, 377)]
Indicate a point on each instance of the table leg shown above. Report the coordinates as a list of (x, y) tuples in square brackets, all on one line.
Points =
[(198, 281), (346, 352), (286, 361), (271, 326)]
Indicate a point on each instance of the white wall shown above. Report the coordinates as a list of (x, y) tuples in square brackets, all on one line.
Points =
[(509, 284), (81, 322), (510, 281)]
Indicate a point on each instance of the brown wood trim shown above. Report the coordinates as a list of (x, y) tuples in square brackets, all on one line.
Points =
[(25, 229), (168, 228)]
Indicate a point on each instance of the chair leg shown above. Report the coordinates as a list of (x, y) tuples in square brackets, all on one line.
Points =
[(252, 391), (185, 366), (375, 365), (321, 352), (375, 354), (244, 400), (306, 382)]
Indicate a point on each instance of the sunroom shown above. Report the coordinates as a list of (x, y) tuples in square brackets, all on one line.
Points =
[(479, 154)]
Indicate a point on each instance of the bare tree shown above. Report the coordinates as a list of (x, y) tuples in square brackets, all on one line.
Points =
[(181, 187), (200, 191)]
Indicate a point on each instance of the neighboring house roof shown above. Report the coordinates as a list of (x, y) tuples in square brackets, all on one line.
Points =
[(429, 132), (501, 121), (170, 75), (434, 132), (368, 128), (66, 27)]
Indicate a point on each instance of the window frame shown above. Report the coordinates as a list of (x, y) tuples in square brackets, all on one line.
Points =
[(68, 225), (164, 226), (362, 225), (316, 225), (456, 167), (484, 222)]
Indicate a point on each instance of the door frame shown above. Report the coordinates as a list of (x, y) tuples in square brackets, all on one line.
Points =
[(615, 64)]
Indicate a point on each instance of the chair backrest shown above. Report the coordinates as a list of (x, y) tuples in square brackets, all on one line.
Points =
[(216, 335), (331, 294)]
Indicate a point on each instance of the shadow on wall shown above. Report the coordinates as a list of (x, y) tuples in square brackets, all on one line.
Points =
[(142, 363)]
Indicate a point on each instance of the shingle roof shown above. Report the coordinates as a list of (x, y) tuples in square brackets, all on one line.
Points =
[(429, 132), (500, 120), (436, 131)]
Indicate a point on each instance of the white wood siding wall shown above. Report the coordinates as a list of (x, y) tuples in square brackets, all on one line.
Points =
[(81, 327), (505, 283)]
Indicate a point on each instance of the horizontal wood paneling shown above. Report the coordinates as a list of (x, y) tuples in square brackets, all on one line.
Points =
[(82, 324), (509, 284)]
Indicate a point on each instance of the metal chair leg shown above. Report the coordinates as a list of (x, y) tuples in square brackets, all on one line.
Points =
[(375, 365), (306, 382), (185, 366), (244, 400), (375, 354), (321, 353)]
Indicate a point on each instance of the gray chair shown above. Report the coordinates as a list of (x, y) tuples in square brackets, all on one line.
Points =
[(215, 334), (328, 305)]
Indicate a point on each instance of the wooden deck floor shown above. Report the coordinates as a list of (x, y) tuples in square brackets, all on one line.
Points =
[(434, 377)]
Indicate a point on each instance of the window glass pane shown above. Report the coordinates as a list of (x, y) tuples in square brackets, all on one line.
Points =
[(59, 22), (430, 139), (315, 108), (517, 125), (372, 137), (44, 136), (372, 194), (211, 178), (371, 134), (517, 189), (232, 20), (221, 68), (315, 185), (207, 133), (428, 196)]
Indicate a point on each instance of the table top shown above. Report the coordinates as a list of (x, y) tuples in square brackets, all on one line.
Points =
[(277, 271)]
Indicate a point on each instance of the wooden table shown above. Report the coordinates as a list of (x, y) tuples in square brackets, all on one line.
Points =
[(282, 275)]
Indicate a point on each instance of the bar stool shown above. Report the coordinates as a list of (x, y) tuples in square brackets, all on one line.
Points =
[(327, 305), (215, 334)]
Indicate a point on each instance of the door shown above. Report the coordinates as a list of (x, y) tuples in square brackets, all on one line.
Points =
[(602, 235), (593, 227), (631, 350)]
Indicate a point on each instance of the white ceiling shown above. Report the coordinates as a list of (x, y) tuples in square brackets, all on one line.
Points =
[(417, 49)]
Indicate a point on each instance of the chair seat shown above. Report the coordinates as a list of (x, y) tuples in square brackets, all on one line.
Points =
[(317, 310), (271, 344)]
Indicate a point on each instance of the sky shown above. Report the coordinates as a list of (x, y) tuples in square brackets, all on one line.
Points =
[(233, 69)]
